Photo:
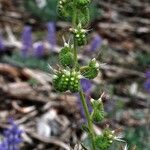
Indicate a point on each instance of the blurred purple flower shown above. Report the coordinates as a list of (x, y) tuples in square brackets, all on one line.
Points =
[(86, 86), (38, 49), (147, 85), (147, 82), (147, 74), (79, 103), (51, 27), (1, 43), (95, 43), (26, 40), (12, 137)]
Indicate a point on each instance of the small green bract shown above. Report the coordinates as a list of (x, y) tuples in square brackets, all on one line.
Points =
[(97, 114)]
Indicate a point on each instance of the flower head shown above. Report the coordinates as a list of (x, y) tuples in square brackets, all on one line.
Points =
[(147, 74), (86, 85), (38, 49), (26, 40), (51, 33), (12, 137), (95, 43), (147, 82), (1, 43)]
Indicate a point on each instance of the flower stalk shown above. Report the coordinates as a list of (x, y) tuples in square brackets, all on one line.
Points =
[(68, 77), (87, 114), (82, 97), (74, 20)]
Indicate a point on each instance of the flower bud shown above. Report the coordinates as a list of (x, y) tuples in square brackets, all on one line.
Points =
[(66, 80), (66, 56), (60, 81), (61, 7), (90, 71), (97, 114), (74, 82), (80, 35), (105, 140), (83, 2)]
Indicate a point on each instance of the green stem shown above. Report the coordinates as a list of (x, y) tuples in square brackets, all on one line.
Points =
[(89, 121), (74, 20)]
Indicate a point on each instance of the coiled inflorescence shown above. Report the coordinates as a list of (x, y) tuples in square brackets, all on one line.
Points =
[(90, 71), (97, 114), (66, 56), (65, 80), (80, 34), (83, 2), (105, 140), (63, 7)]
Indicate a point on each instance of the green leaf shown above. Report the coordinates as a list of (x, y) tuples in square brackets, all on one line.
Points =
[(85, 128)]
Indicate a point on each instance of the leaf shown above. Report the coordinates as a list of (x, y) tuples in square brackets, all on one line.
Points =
[(85, 128)]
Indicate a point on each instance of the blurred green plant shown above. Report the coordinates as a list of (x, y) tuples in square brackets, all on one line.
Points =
[(143, 59), (138, 136), (31, 62), (45, 10)]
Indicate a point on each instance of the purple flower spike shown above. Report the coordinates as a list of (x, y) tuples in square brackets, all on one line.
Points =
[(95, 43), (147, 85), (51, 33), (86, 85), (147, 74), (26, 40), (1, 43), (12, 137), (38, 49)]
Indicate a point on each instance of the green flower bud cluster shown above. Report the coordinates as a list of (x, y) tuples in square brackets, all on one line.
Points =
[(97, 114), (91, 71), (80, 34), (104, 141), (66, 56), (65, 80), (63, 7), (83, 2)]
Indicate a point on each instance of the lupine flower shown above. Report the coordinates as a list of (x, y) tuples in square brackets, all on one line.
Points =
[(95, 43), (86, 86), (147, 85), (147, 74), (51, 37), (12, 137), (38, 49), (147, 82), (1, 43), (26, 40)]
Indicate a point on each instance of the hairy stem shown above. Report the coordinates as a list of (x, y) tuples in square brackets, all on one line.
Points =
[(74, 21), (87, 114)]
